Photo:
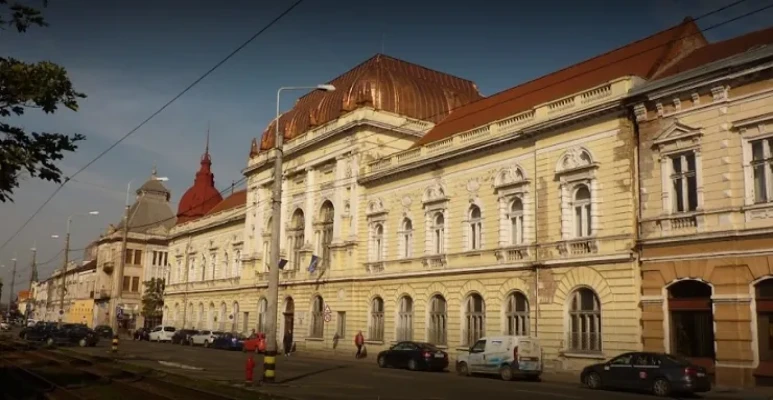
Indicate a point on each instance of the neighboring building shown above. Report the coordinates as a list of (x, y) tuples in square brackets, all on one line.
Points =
[(149, 219), (42, 310), (706, 184), (206, 286), (23, 299)]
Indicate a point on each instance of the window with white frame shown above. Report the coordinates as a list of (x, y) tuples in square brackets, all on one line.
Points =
[(213, 265), (439, 232), (516, 221), (376, 331), (262, 309), (581, 205), (237, 264), (378, 242), (762, 169), (684, 184), (203, 267), (584, 321), (224, 272), (405, 319), (474, 319), (317, 318), (406, 238), (517, 314), (438, 318), (475, 228)]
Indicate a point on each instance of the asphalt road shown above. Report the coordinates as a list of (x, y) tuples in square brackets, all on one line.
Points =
[(311, 378)]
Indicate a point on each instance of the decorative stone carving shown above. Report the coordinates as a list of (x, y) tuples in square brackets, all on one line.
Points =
[(375, 206), (348, 169), (473, 185), (347, 207), (574, 158), (406, 201), (509, 176), (434, 193), (640, 110)]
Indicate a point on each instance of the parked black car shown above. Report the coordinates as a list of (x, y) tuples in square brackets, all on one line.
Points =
[(229, 341), (141, 334), (659, 373), (50, 334), (183, 336), (104, 331), (414, 356), (79, 334)]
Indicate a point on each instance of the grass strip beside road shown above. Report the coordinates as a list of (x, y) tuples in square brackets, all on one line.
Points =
[(180, 378)]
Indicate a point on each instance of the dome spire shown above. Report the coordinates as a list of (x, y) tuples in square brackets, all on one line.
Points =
[(205, 156)]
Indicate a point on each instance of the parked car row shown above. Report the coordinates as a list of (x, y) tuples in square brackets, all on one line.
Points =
[(68, 334), (205, 338)]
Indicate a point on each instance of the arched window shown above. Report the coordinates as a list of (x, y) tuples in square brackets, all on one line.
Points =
[(378, 242), (224, 271), (267, 244), (202, 317), (517, 314), (582, 211), (692, 321), (235, 317), (212, 317), (190, 314), (474, 319), (585, 321), (262, 308), (213, 265), (237, 264), (222, 317), (325, 232), (317, 318), (177, 320), (376, 331), (438, 318), (516, 222), (405, 319), (296, 238), (203, 267), (439, 231), (475, 227), (406, 238)]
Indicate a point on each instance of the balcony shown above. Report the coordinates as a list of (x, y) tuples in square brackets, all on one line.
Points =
[(374, 267), (512, 254), (435, 261), (578, 247)]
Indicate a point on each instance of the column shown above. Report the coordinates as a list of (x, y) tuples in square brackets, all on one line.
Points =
[(338, 201), (354, 206)]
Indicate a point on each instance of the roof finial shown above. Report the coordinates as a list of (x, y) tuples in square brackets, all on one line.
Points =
[(206, 150), (154, 171)]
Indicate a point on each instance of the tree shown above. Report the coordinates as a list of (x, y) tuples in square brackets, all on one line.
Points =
[(42, 85), (153, 299)]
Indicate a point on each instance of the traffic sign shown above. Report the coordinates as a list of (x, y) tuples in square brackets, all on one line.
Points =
[(119, 312), (327, 309)]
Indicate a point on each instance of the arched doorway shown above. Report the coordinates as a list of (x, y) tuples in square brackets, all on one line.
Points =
[(692, 322), (763, 297), (289, 315)]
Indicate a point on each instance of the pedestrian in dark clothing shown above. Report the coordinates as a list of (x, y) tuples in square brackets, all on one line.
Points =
[(359, 341), (288, 342)]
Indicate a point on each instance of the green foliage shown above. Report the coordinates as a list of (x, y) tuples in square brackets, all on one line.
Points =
[(42, 85), (153, 299)]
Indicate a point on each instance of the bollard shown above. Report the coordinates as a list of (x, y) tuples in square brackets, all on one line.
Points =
[(115, 343), (248, 370)]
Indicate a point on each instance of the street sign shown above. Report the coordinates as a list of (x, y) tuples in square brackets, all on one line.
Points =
[(119, 312), (327, 309)]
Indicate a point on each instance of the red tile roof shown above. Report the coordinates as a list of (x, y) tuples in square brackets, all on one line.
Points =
[(643, 58), (720, 50), (23, 295), (235, 200)]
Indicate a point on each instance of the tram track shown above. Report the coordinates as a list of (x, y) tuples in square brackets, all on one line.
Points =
[(48, 374)]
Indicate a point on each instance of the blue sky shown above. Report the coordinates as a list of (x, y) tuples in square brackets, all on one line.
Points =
[(132, 57)]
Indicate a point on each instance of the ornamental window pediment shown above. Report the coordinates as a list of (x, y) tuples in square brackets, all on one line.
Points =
[(376, 207), (575, 160), (510, 177), (434, 193), (677, 136)]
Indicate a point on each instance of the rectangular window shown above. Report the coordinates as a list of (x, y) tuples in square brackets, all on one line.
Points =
[(684, 184), (138, 257), (762, 162), (341, 329), (126, 283), (128, 256), (136, 284)]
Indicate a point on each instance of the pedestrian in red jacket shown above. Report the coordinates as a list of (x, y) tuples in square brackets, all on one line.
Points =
[(359, 341)]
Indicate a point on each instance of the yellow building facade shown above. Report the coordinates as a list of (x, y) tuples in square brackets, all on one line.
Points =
[(81, 312), (705, 183)]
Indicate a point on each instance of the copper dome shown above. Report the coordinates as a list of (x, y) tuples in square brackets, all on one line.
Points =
[(384, 83)]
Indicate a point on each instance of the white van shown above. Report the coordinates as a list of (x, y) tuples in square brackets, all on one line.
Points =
[(506, 356), (162, 333)]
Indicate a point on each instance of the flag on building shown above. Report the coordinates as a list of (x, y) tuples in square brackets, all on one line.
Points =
[(282, 263), (313, 263)]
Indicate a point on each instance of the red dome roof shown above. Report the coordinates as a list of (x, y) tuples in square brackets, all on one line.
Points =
[(202, 196)]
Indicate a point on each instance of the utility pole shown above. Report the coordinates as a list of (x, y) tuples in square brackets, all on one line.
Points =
[(33, 278), (64, 270), (269, 361), (13, 284), (121, 264)]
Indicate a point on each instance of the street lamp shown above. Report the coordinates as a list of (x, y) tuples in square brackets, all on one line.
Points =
[(269, 362), (118, 283), (67, 258), (13, 284)]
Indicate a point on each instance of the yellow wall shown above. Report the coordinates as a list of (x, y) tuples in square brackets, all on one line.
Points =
[(81, 311)]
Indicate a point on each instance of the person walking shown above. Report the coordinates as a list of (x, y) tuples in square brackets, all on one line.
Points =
[(359, 341), (288, 342)]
